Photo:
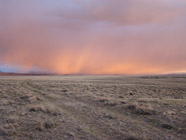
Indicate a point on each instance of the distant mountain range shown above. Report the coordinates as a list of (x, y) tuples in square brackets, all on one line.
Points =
[(29, 73)]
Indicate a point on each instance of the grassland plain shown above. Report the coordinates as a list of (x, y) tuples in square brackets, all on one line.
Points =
[(93, 107)]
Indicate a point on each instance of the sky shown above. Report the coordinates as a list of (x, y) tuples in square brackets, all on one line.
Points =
[(93, 36)]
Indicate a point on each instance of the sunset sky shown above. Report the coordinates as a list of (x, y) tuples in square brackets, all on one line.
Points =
[(93, 36)]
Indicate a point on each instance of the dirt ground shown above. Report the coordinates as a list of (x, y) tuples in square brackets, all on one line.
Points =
[(92, 107)]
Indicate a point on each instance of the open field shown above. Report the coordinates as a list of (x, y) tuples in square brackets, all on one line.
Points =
[(92, 108)]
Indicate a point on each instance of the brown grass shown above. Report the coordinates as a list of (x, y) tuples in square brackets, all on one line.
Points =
[(92, 108)]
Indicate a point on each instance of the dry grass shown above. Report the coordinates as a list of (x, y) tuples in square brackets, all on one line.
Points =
[(45, 108), (141, 109), (92, 108)]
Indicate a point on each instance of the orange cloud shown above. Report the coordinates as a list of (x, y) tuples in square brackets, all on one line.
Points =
[(94, 37)]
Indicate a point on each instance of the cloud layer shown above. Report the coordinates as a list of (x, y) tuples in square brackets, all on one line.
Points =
[(93, 36)]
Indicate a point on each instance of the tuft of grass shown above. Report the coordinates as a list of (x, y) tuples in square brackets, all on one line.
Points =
[(141, 110), (166, 126), (45, 125), (30, 98), (45, 108)]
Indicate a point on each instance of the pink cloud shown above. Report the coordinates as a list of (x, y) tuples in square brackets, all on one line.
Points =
[(94, 37)]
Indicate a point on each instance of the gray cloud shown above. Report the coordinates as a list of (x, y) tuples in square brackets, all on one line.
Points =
[(80, 36)]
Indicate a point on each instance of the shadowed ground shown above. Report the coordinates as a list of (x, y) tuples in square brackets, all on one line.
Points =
[(92, 108)]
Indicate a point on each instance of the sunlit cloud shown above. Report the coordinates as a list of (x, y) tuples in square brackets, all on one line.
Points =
[(94, 37)]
